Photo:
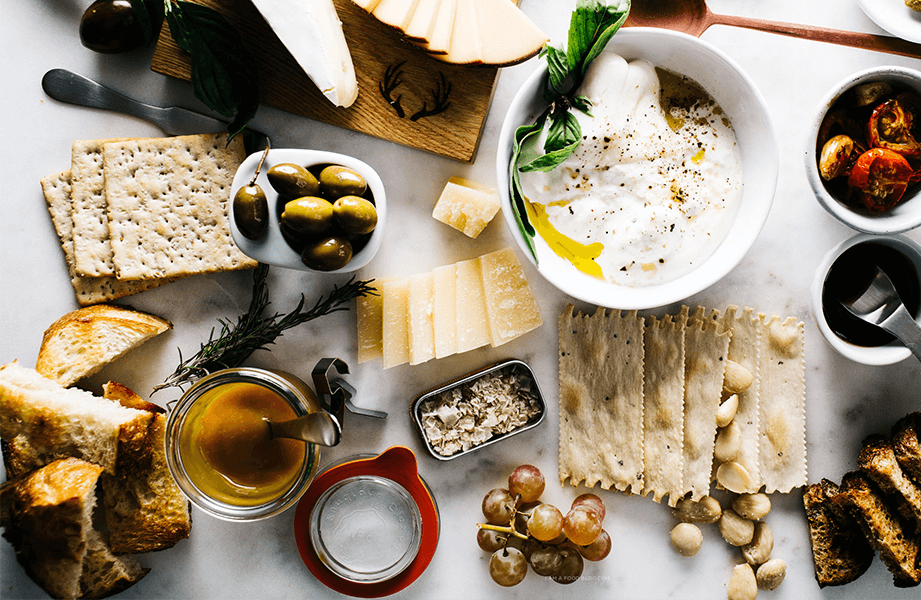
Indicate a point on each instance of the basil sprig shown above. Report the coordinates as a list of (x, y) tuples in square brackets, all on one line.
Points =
[(591, 27), (224, 72)]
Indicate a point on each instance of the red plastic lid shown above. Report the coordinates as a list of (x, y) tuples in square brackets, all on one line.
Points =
[(397, 464)]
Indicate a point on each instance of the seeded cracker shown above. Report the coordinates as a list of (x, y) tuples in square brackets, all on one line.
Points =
[(706, 349), (783, 405), (663, 411), (92, 250), (601, 399), (745, 349), (168, 201), (89, 290)]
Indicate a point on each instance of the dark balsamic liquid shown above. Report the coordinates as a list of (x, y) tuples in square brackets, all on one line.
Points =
[(851, 274)]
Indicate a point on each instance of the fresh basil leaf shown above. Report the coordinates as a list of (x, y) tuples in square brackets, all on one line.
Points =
[(551, 160), (224, 72), (557, 72), (143, 19), (523, 135), (611, 22), (564, 131), (583, 104)]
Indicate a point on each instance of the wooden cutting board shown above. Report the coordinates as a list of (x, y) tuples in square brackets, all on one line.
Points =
[(386, 67)]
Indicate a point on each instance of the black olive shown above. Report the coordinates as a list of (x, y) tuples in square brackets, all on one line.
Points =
[(112, 26)]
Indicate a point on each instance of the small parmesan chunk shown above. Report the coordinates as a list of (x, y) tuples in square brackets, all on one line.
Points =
[(466, 206)]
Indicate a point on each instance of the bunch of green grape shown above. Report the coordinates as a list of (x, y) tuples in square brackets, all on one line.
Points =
[(520, 530)]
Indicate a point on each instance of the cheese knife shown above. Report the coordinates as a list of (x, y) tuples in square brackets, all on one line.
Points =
[(72, 88)]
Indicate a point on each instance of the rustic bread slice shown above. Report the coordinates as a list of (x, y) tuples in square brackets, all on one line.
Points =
[(877, 460), (840, 551), (83, 341), (48, 514), (105, 574), (145, 511), (58, 421), (882, 528), (906, 445)]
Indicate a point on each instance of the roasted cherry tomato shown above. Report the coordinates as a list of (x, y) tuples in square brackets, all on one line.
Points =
[(890, 127), (881, 176)]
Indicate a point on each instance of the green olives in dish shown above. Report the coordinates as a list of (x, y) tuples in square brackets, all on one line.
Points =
[(293, 181), (251, 211), (327, 253), (308, 215), (113, 26), (337, 181), (355, 215)]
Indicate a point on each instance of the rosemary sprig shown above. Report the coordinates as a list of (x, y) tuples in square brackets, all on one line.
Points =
[(255, 331)]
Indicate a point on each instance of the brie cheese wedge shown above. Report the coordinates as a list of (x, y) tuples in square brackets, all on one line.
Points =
[(312, 33)]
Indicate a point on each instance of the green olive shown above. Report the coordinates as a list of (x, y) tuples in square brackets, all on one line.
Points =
[(251, 211), (308, 215), (293, 181), (355, 215), (337, 181), (327, 254)]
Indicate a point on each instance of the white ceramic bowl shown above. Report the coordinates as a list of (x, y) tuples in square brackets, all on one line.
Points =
[(869, 355), (273, 249), (906, 214), (735, 92)]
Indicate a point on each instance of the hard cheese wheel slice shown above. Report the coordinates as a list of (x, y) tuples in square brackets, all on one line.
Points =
[(421, 318), (510, 304), (445, 310), (395, 322), (472, 322)]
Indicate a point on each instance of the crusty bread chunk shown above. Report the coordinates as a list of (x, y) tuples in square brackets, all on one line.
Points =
[(47, 516), (877, 460), (907, 446), (83, 341), (58, 421), (840, 551), (898, 549), (144, 511)]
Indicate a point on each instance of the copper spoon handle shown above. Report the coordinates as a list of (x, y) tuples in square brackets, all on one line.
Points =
[(865, 41)]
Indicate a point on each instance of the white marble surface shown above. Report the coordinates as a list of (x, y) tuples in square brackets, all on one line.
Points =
[(846, 401)]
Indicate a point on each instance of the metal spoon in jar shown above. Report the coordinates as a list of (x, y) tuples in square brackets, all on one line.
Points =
[(317, 428), (880, 305), (694, 17)]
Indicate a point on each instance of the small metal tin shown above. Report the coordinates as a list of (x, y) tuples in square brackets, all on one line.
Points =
[(520, 366)]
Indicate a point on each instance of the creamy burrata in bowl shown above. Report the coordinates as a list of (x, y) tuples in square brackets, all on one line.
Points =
[(671, 184)]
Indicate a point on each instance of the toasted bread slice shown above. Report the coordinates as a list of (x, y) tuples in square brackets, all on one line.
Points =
[(877, 460), (105, 574), (882, 527), (906, 446), (57, 421), (82, 342), (145, 511), (840, 551)]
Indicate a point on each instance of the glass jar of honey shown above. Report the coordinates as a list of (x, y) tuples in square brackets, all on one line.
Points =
[(221, 453)]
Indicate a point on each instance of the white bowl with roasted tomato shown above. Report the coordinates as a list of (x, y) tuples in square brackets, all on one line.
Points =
[(650, 246), (863, 153), (292, 214)]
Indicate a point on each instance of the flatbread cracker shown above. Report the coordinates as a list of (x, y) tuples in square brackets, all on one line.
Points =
[(168, 202), (89, 290), (706, 349), (663, 407), (92, 250), (601, 399), (783, 405), (745, 349)]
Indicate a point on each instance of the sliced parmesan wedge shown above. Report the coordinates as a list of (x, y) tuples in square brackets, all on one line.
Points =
[(421, 315), (312, 33), (395, 13), (395, 320), (466, 47), (422, 22), (472, 322), (507, 35), (445, 310), (510, 304), (368, 5)]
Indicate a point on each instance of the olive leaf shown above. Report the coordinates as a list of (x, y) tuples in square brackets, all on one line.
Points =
[(591, 27), (224, 72)]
